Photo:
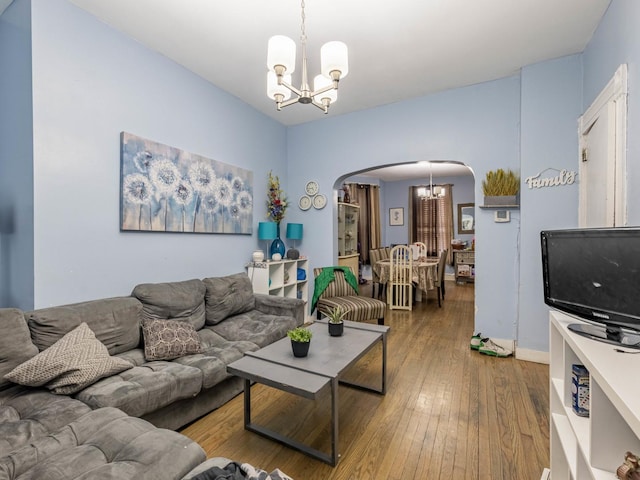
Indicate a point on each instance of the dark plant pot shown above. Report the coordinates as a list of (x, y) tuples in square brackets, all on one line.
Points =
[(300, 349), (500, 201), (336, 329)]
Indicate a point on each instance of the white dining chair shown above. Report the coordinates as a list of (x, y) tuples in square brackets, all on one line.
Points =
[(400, 284), (419, 250)]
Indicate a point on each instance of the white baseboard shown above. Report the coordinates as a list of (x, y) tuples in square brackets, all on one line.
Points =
[(522, 353), (532, 355), (546, 474)]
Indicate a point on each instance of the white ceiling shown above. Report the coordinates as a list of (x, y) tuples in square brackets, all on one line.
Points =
[(398, 49), (414, 170)]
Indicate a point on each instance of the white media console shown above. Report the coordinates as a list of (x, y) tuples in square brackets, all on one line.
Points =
[(591, 447)]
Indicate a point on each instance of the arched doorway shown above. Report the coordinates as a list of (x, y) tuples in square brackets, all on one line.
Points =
[(394, 182)]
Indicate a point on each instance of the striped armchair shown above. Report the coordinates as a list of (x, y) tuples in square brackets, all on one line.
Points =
[(339, 292)]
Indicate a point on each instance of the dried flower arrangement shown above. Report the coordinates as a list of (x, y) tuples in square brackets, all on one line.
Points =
[(276, 200)]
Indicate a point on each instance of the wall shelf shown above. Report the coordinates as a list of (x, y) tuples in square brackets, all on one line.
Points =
[(500, 207)]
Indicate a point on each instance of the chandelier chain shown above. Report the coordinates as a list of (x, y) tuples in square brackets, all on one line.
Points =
[(303, 32)]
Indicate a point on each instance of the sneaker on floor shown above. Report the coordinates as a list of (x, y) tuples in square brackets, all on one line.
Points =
[(476, 340), (489, 348)]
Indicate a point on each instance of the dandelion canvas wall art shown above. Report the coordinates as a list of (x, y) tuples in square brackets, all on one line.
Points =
[(165, 189)]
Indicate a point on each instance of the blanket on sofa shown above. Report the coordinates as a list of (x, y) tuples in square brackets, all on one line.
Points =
[(236, 471)]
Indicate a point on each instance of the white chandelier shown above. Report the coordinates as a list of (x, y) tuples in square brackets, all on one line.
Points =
[(432, 191), (281, 60)]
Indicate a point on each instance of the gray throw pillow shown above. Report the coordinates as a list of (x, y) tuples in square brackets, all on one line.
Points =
[(227, 296), (169, 339), (74, 362)]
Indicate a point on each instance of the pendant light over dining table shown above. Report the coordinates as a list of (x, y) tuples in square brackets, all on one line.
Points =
[(433, 191), (281, 61)]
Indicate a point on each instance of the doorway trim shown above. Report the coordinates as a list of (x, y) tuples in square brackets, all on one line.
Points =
[(613, 97)]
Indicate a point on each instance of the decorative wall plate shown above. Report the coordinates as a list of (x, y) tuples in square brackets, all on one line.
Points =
[(305, 202), (312, 188), (319, 201)]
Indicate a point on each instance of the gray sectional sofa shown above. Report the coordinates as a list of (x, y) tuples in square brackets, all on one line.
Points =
[(121, 426)]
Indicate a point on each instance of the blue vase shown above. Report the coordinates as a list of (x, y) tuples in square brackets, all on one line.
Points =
[(277, 246)]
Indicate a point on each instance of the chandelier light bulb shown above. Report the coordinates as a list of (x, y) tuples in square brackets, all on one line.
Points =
[(281, 51), (274, 89), (320, 82), (334, 60)]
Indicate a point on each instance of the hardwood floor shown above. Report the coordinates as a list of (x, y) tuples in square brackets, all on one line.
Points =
[(449, 412)]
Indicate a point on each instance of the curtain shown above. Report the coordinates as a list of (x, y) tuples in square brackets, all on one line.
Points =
[(368, 197), (431, 220)]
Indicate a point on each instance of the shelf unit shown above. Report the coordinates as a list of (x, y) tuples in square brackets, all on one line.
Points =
[(348, 254), (280, 278), (465, 265), (591, 447)]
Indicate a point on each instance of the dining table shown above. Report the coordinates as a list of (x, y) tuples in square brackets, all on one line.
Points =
[(425, 272)]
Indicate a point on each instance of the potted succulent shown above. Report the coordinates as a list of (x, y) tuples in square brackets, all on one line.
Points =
[(300, 341), (336, 320), (501, 187)]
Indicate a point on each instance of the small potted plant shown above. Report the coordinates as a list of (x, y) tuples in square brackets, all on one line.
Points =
[(300, 340), (501, 187), (336, 320)]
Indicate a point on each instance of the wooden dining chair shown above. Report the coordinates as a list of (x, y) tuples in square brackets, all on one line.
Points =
[(400, 285), (442, 263), (375, 255)]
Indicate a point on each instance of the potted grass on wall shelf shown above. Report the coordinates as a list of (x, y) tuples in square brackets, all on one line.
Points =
[(501, 189)]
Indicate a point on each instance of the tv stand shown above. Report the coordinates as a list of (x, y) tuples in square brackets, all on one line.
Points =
[(614, 336), (591, 447)]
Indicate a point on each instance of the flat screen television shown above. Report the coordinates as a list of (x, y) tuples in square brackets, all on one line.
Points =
[(594, 274)]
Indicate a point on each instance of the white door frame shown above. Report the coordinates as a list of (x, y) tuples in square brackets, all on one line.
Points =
[(614, 98)]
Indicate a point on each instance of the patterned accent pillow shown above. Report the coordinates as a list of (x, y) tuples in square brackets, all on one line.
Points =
[(169, 339), (74, 362)]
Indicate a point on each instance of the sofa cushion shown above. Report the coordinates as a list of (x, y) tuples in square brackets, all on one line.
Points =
[(254, 326), (173, 301), (105, 444), (75, 361), (115, 321), (34, 413), (227, 296), (144, 389), (212, 341), (169, 339), (15, 343), (217, 353)]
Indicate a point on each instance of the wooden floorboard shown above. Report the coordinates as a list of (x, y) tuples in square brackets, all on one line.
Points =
[(449, 412)]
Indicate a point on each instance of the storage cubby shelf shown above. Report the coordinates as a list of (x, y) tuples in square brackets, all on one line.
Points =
[(591, 447)]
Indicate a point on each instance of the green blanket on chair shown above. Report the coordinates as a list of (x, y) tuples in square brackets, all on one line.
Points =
[(325, 277)]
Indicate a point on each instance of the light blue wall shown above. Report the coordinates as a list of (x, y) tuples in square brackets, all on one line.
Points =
[(476, 125), (551, 105), (16, 157), (617, 41), (91, 83)]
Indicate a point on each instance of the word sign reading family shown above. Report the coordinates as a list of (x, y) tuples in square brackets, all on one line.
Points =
[(564, 177)]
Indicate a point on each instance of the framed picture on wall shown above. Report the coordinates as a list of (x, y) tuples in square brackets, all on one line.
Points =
[(396, 216)]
